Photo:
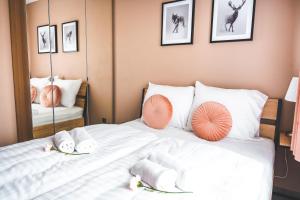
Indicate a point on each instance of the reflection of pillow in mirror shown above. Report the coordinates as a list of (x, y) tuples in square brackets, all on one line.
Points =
[(46, 96), (33, 92), (69, 90), (39, 84)]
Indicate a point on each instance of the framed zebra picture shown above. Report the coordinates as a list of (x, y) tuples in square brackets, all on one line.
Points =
[(70, 36), (46, 37), (177, 22), (232, 20)]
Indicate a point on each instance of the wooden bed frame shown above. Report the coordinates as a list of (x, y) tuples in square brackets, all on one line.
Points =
[(270, 119), (48, 129)]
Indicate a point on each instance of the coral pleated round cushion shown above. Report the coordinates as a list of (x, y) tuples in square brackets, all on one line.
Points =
[(157, 112), (211, 121), (33, 92), (46, 97)]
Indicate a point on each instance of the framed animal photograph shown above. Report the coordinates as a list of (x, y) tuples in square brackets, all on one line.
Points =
[(70, 36), (232, 20), (46, 37), (177, 22)]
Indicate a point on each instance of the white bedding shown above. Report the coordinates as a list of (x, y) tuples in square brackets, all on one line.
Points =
[(42, 115), (229, 170)]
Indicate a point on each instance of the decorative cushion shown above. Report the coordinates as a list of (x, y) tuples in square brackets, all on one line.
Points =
[(157, 112), (245, 107), (211, 121), (181, 99), (33, 92), (46, 96)]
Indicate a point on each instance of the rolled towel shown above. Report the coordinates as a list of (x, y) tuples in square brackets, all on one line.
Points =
[(184, 179), (155, 175), (84, 143), (64, 142)]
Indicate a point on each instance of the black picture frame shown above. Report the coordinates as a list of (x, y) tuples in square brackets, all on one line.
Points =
[(55, 37), (232, 40), (192, 24), (76, 49)]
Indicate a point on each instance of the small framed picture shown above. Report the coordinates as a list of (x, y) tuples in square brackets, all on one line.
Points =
[(70, 36), (177, 22), (232, 20), (46, 37)]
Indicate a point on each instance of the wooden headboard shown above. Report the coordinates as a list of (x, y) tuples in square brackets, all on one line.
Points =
[(82, 95), (81, 99), (270, 119)]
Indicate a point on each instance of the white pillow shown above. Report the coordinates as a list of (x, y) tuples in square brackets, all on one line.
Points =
[(181, 99), (69, 90), (39, 84), (245, 107)]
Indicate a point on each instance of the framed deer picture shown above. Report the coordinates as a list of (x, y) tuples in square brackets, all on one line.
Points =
[(232, 20), (177, 22), (70, 36), (46, 37)]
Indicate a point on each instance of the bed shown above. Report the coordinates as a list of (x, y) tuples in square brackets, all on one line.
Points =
[(65, 118), (230, 169)]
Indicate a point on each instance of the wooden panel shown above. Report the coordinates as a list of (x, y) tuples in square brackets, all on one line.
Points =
[(83, 89), (19, 46), (270, 109), (285, 140), (267, 131), (80, 102), (48, 129)]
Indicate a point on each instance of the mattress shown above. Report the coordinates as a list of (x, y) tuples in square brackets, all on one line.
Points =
[(42, 115), (230, 169)]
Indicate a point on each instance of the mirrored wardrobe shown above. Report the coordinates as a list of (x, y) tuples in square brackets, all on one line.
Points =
[(70, 64)]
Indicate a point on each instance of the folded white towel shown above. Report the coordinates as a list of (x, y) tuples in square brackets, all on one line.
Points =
[(84, 143), (64, 142), (155, 175), (184, 179)]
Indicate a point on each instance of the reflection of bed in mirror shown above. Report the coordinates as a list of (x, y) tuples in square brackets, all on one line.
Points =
[(66, 118)]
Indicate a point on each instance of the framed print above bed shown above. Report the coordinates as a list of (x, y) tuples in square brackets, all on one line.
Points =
[(45, 43), (177, 22), (232, 20), (70, 36)]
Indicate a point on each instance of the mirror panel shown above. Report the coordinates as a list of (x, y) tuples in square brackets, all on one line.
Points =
[(69, 64), (80, 63), (39, 58)]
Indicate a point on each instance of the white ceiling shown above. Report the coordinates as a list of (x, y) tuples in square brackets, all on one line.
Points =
[(30, 1)]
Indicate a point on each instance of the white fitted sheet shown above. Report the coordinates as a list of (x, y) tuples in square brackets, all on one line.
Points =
[(42, 115), (27, 172)]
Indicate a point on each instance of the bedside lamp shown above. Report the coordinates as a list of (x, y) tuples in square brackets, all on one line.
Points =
[(292, 95)]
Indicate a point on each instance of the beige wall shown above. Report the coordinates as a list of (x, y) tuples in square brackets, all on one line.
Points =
[(8, 130), (264, 64), (73, 65), (297, 39)]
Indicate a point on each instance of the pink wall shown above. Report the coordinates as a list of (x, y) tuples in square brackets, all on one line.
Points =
[(264, 64), (8, 130), (297, 39)]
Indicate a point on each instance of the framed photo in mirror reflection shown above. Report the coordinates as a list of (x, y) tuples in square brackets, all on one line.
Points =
[(70, 36), (47, 39)]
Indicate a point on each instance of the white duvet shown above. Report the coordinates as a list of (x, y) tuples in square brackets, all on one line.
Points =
[(221, 173)]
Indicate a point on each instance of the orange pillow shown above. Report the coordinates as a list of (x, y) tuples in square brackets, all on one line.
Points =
[(211, 121), (46, 96), (157, 112), (33, 92)]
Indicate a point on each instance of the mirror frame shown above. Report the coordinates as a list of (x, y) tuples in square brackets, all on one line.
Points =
[(17, 16)]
